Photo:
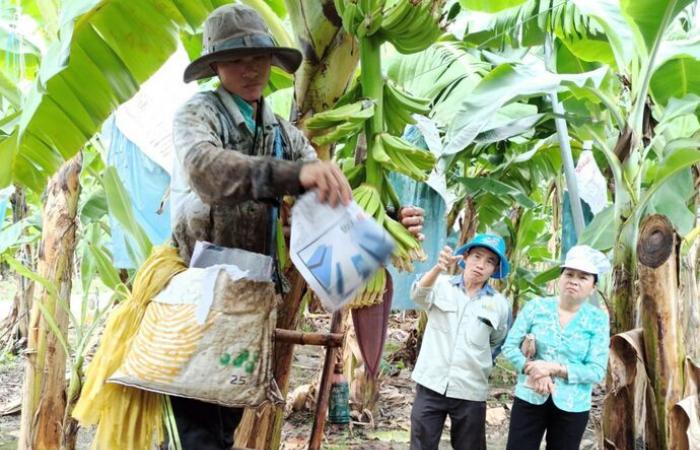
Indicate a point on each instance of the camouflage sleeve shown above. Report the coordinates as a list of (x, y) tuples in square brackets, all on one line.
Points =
[(221, 176)]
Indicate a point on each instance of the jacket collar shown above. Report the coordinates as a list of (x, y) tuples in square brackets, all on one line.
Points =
[(268, 116), (458, 280)]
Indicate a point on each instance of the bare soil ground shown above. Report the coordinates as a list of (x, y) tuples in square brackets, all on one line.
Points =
[(388, 429)]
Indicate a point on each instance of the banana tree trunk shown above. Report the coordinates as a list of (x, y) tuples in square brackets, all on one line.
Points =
[(658, 276), (467, 228), (44, 392), (623, 295), (628, 411), (690, 288), (330, 59), (25, 287)]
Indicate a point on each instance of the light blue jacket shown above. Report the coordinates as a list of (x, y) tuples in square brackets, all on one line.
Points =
[(581, 346)]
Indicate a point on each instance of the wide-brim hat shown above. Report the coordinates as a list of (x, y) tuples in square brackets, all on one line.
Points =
[(234, 31), (491, 242)]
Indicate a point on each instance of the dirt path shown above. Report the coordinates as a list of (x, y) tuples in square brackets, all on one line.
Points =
[(389, 429)]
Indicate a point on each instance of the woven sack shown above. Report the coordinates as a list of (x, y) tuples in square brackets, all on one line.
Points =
[(225, 359)]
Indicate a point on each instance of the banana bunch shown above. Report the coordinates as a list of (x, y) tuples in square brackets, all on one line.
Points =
[(408, 248), (342, 122), (362, 18), (412, 25), (398, 155), (369, 199), (373, 292), (399, 106)]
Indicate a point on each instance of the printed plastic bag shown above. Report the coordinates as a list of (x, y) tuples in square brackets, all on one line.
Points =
[(336, 250)]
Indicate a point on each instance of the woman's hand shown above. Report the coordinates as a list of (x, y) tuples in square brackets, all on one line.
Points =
[(528, 347), (540, 369), (542, 386)]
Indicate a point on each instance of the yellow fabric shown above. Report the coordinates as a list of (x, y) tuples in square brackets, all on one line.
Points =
[(126, 418)]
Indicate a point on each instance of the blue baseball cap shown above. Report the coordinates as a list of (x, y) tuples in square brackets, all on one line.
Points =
[(492, 242)]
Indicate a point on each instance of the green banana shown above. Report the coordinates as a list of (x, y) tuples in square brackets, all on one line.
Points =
[(339, 7), (400, 156), (354, 174), (414, 104), (356, 112), (341, 132), (394, 15), (349, 16)]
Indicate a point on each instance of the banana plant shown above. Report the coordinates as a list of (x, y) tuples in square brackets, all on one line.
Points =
[(102, 53), (377, 110)]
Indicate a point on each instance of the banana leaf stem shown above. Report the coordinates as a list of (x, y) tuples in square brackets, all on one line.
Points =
[(373, 88)]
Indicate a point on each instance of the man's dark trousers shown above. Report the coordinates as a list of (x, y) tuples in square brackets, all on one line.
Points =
[(468, 419), (205, 426)]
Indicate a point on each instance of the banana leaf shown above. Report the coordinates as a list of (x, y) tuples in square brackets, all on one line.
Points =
[(370, 328)]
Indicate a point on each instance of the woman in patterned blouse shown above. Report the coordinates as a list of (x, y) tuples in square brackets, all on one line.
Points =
[(554, 387)]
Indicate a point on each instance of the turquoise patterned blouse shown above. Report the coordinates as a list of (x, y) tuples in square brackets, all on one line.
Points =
[(581, 346)]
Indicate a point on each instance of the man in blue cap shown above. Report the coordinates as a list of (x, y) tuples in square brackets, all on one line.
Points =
[(467, 323)]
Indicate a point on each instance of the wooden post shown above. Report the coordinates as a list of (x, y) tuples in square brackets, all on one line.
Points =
[(43, 399), (657, 252), (324, 388)]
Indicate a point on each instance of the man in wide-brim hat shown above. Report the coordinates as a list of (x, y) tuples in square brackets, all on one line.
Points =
[(235, 160)]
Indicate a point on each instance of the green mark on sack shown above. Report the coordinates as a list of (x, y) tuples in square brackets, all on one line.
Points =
[(250, 365), (241, 358), (225, 359)]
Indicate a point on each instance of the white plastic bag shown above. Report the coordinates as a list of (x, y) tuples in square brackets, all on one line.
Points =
[(592, 187), (336, 250)]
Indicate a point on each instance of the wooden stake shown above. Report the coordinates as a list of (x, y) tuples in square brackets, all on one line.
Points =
[(298, 337), (324, 388)]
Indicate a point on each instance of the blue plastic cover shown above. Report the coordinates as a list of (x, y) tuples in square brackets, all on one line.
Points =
[(411, 192), (146, 183), (4, 201), (568, 231)]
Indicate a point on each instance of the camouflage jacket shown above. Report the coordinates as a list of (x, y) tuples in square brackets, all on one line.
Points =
[(225, 180)]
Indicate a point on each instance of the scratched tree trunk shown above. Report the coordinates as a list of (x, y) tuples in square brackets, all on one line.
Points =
[(657, 252), (43, 399)]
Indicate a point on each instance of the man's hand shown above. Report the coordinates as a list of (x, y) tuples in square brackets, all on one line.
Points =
[(327, 180), (445, 260), (412, 217)]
